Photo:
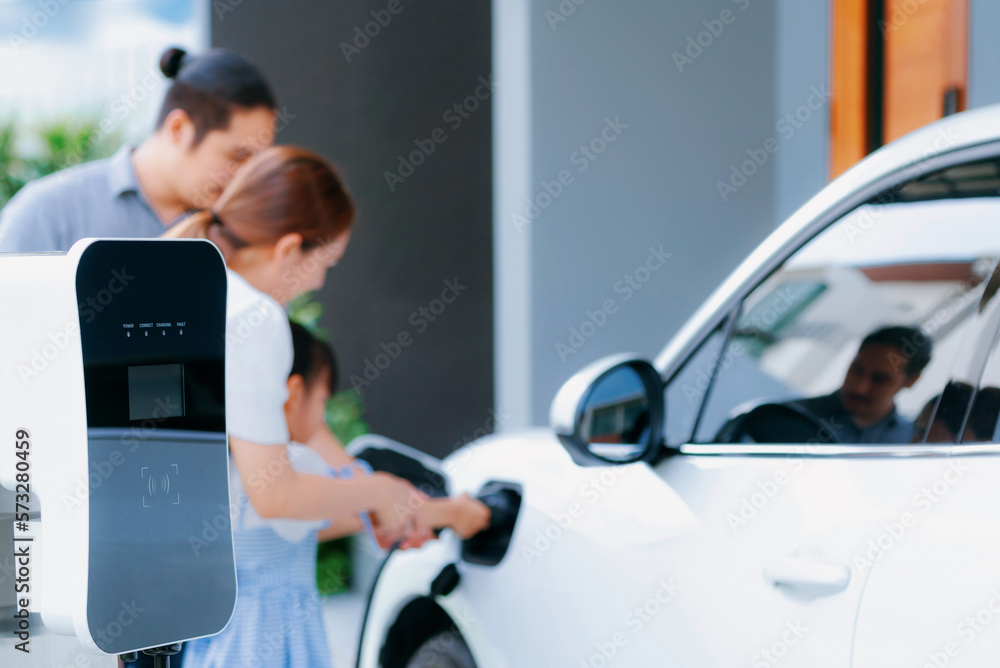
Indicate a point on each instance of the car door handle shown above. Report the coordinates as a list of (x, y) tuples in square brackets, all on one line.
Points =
[(809, 577)]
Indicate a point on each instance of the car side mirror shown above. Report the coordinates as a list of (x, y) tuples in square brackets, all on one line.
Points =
[(611, 412)]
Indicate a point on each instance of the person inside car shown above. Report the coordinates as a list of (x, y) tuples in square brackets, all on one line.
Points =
[(951, 406), (863, 409), (982, 423)]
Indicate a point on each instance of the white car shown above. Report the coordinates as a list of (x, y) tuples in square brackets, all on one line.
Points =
[(684, 513)]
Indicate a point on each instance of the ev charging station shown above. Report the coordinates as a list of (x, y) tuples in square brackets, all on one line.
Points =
[(113, 448)]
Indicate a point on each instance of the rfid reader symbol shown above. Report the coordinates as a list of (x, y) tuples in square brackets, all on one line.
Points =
[(159, 486), (164, 485)]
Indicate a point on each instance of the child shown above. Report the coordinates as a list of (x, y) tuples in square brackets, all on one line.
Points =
[(312, 382), (278, 619)]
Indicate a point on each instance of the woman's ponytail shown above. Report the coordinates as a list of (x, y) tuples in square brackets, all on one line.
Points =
[(282, 190)]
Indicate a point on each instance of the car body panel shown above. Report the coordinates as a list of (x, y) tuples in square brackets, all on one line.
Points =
[(933, 597)]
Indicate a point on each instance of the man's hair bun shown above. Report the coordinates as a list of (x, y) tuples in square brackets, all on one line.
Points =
[(170, 61)]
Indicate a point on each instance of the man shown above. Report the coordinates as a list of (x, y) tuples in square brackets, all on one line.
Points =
[(216, 114), (863, 410)]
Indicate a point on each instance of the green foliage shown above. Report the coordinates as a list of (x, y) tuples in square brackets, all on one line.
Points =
[(28, 155), (345, 415), (333, 566), (11, 169), (307, 312), (69, 143)]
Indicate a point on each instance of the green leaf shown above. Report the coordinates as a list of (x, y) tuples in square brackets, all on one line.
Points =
[(345, 414)]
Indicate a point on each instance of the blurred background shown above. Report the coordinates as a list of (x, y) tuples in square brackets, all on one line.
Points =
[(541, 182)]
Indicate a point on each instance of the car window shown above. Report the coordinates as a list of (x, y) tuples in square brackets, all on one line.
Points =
[(686, 391), (981, 425), (973, 413), (901, 263), (965, 408)]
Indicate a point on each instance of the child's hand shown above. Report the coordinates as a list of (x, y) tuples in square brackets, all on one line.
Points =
[(468, 516), (394, 509), (418, 538)]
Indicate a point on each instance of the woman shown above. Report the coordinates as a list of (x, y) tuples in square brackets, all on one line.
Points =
[(281, 223)]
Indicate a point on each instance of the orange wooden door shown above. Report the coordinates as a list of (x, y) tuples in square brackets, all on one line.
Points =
[(923, 55), (926, 53)]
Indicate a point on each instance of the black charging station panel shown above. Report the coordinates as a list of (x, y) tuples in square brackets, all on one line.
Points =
[(153, 325)]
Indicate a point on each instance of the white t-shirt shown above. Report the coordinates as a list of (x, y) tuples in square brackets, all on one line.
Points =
[(258, 361)]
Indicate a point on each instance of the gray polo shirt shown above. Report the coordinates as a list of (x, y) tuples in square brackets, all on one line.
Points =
[(95, 199), (893, 428)]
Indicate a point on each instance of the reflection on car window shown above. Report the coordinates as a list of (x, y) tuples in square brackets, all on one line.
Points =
[(981, 426), (982, 377), (965, 410), (837, 336), (686, 390)]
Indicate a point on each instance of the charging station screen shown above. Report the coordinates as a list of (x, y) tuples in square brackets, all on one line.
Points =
[(155, 391)]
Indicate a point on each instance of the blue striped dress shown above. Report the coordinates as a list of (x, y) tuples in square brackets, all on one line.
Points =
[(278, 621)]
